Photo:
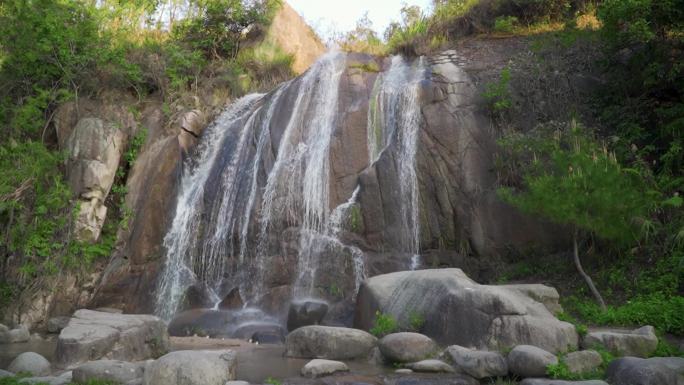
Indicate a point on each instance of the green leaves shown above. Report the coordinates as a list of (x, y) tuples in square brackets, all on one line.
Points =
[(570, 179)]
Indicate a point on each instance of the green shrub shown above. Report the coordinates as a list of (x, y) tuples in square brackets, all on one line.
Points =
[(505, 24), (384, 324), (665, 313), (498, 94), (416, 321)]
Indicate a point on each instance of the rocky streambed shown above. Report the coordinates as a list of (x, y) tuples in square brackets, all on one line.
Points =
[(472, 334)]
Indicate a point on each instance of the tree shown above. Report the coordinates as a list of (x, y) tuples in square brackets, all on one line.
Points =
[(569, 179)]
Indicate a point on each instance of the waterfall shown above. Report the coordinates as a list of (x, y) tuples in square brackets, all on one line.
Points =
[(262, 174), (393, 124)]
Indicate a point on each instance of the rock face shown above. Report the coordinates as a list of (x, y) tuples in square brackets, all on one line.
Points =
[(459, 311), (652, 371), (638, 343), (92, 335), (196, 367), (319, 368), (530, 361), (30, 362), (291, 33), (304, 313), (95, 148), (454, 158), (406, 347), (108, 370), (477, 363), (327, 342)]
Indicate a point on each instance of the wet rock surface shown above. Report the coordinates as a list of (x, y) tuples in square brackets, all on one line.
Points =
[(304, 313), (327, 342)]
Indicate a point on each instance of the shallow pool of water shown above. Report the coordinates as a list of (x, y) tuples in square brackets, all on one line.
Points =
[(46, 348)]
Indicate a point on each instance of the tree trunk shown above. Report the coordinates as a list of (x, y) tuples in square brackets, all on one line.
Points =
[(584, 275)]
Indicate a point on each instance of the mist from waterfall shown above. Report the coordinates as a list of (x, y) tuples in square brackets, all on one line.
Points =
[(263, 169)]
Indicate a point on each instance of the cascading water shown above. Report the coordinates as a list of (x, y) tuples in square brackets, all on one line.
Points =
[(263, 169), (393, 124)]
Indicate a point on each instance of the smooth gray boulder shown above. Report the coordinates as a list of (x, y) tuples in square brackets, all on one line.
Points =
[(108, 370), (319, 368), (547, 381), (652, 371), (304, 313), (637, 343), (4, 373), (32, 363), (237, 383), (327, 342), (406, 347), (56, 324), (459, 311), (13, 336), (192, 367), (478, 363), (547, 295), (92, 335), (430, 366), (530, 361), (583, 361)]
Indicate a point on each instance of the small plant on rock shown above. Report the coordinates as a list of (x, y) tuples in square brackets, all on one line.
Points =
[(384, 324)]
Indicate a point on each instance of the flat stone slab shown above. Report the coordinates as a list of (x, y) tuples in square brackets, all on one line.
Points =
[(92, 335)]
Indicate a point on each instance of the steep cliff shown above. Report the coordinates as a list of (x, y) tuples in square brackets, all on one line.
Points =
[(360, 166)]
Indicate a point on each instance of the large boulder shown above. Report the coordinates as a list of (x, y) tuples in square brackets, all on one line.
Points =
[(46, 380), (30, 362), (652, 371), (637, 343), (319, 368), (406, 347), (547, 295), (192, 367), (92, 335), (460, 311), (13, 336), (530, 361), (327, 342), (108, 370), (304, 313), (5, 373), (584, 361), (478, 363)]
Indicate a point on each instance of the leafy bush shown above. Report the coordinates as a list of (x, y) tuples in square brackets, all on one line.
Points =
[(384, 324), (217, 33), (498, 94), (505, 24)]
